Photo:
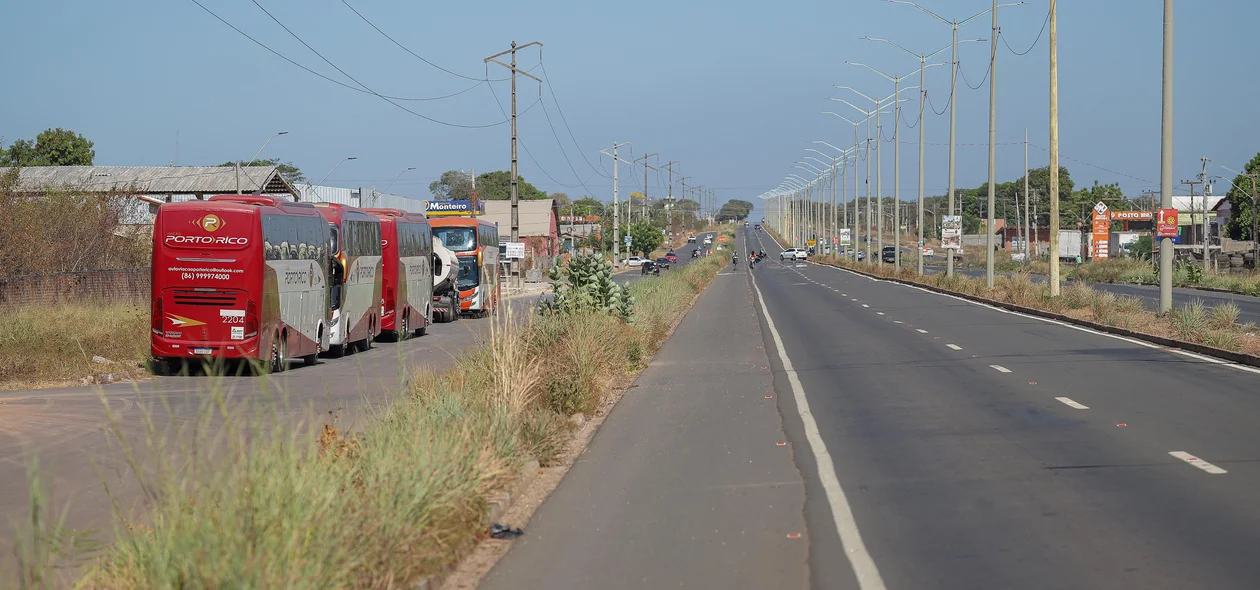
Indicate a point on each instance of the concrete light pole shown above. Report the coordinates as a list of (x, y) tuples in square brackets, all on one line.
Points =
[(1165, 165)]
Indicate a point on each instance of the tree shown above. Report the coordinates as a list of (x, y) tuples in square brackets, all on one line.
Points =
[(734, 210), (645, 237), (562, 202), (497, 186), (1241, 208), (588, 206), (287, 170), (1083, 201), (453, 185), (52, 147)]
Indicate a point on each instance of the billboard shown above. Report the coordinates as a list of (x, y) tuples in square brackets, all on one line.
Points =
[(1102, 231), (845, 237), (951, 232), (456, 207)]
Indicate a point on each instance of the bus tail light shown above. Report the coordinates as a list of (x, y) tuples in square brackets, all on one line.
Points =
[(251, 319), (156, 317)]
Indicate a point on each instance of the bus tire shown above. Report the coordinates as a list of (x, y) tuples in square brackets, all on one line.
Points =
[(428, 319), (282, 357), (336, 350), (404, 330)]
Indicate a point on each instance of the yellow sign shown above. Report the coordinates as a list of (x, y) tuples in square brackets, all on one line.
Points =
[(811, 243)]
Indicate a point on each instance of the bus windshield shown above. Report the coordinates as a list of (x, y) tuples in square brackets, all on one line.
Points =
[(457, 239), (469, 277)]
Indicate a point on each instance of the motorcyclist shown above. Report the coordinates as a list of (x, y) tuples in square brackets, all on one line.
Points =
[(735, 258)]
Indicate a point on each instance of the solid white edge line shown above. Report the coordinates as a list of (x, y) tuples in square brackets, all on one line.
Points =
[(1000, 368), (1067, 401), (860, 559), (1197, 462), (954, 346), (1143, 343)]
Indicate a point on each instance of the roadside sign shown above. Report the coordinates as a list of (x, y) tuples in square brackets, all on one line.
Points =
[(1102, 231), (515, 250), (845, 237), (951, 232), (627, 240), (722, 239), (811, 243), (835, 240), (1166, 223)]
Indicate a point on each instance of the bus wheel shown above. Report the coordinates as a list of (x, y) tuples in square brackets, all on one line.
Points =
[(404, 330), (336, 350), (424, 326), (282, 355)]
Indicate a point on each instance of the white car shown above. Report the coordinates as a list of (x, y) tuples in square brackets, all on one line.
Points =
[(635, 261), (708, 240), (793, 254)]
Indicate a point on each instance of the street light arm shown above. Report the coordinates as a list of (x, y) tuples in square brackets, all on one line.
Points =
[(857, 92), (929, 12), (859, 109), (813, 168), (911, 53), (829, 145), (841, 116)]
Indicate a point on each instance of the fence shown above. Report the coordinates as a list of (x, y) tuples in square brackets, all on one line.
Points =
[(124, 285)]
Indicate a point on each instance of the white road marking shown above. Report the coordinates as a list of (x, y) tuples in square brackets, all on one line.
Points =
[(1197, 462), (1143, 343), (865, 305), (1067, 401), (879, 313), (860, 559), (920, 330), (954, 346), (1000, 368), (898, 322), (853, 298)]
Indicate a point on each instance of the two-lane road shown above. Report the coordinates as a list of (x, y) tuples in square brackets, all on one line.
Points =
[(977, 448)]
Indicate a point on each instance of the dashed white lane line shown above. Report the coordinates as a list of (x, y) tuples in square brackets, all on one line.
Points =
[(865, 305), (1000, 368), (920, 330), (879, 313), (898, 322), (1067, 401), (954, 346), (853, 299), (1197, 462)]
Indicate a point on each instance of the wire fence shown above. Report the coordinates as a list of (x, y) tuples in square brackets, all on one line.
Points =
[(130, 285)]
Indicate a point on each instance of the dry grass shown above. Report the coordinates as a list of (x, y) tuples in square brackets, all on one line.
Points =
[(253, 503), (53, 345), (1217, 326)]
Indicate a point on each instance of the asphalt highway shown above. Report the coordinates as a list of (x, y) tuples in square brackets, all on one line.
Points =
[(939, 443)]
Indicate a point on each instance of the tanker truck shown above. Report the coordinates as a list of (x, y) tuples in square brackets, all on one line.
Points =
[(445, 295)]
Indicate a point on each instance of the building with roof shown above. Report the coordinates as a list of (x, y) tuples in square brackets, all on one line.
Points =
[(539, 227)]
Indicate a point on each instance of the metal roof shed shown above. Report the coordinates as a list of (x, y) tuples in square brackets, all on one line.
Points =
[(155, 180)]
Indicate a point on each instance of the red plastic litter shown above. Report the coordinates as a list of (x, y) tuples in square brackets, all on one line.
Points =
[(793, 535), (780, 444), (1121, 425), (1032, 382), (769, 397)]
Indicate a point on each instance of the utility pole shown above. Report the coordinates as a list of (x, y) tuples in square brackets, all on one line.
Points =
[(992, 222), (1166, 162), (1027, 230), (1191, 184), (669, 203), (516, 216), (1207, 190), (1054, 148), (643, 207), (616, 204)]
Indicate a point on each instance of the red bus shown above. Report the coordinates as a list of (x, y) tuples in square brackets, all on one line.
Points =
[(239, 277), (407, 272), (475, 242), (355, 279)]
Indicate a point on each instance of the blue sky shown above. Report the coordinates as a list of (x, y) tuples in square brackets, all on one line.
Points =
[(732, 89)]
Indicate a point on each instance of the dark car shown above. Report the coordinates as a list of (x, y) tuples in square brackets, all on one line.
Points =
[(889, 254), (649, 267), (695, 253), (671, 257), (663, 262)]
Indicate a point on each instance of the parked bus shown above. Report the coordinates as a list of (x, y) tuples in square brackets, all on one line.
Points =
[(475, 242), (239, 277), (355, 278), (407, 272)]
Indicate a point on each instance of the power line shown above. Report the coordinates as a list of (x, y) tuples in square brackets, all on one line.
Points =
[(362, 85), (414, 54), (977, 86), (565, 120), (1034, 44), (1097, 167), (526, 147)]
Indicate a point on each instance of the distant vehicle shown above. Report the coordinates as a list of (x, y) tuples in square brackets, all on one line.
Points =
[(357, 304), (757, 227), (691, 239), (695, 253), (663, 262), (407, 279), (475, 242), (889, 254), (672, 257), (792, 254), (647, 266), (240, 277), (708, 240), (635, 261)]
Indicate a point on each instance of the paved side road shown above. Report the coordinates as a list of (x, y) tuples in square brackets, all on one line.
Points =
[(686, 484)]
